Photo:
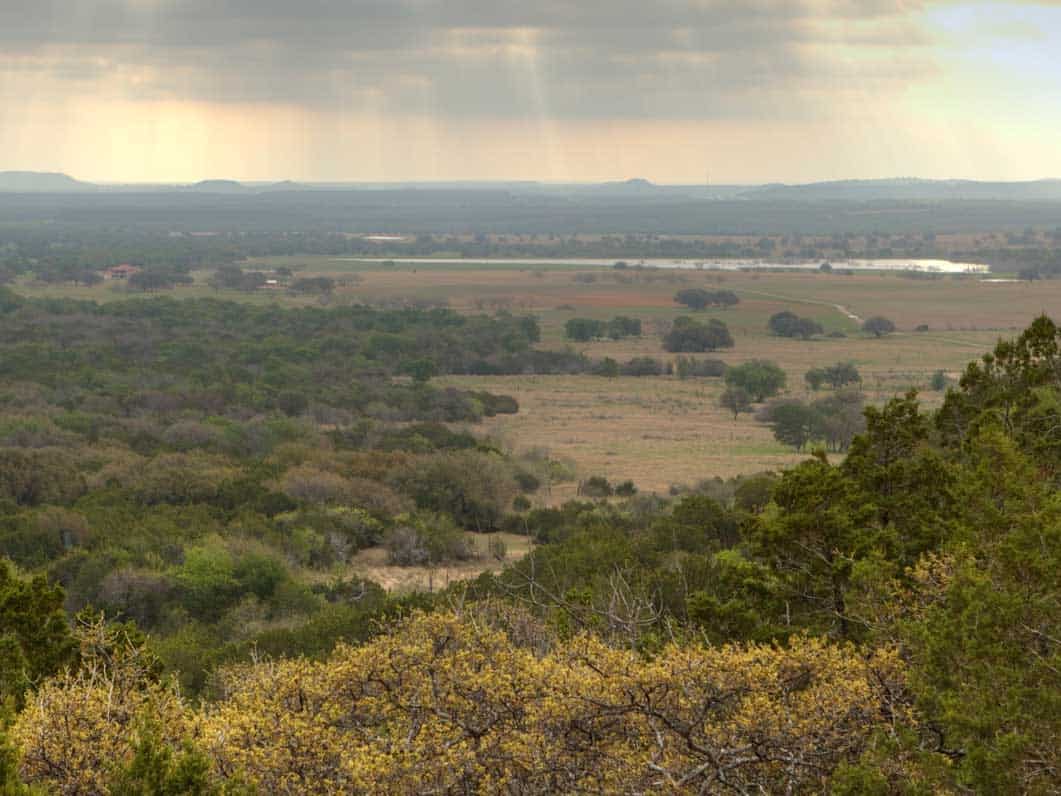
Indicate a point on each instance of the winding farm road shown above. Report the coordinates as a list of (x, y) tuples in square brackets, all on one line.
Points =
[(845, 311)]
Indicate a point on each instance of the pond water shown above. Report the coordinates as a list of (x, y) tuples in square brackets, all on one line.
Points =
[(894, 264)]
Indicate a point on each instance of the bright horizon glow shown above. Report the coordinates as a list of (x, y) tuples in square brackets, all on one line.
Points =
[(699, 91)]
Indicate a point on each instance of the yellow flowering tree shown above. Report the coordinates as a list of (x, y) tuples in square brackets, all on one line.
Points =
[(447, 704), (479, 703), (79, 728)]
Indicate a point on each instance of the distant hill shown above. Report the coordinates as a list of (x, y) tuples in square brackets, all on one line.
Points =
[(40, 182), (909, 189), (218, 186), (634, 187), (286, 185)]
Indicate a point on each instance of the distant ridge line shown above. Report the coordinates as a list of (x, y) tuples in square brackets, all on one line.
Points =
[(633, 190)]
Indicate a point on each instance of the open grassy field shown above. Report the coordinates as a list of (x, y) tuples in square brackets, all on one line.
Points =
[(662, 431), (653, 431)]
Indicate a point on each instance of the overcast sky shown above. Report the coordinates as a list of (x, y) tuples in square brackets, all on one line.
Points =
[(673, 91)]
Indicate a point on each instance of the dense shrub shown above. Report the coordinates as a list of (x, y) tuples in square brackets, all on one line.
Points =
[(690, 368), (690, 336), (788, 324), (878, 326), (836, 376), (698, 299), (475, 489), (422, 541)]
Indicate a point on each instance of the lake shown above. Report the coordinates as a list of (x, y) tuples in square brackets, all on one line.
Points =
[(736, 264)]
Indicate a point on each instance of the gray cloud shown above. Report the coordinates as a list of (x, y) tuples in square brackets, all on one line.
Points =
[(477, 58)]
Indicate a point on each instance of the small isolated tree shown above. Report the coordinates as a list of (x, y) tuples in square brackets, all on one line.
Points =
[(694, 298), (841, 375), (788, 324), (878, 326), (689, 336), (736, 400), (760, 378), (596, 486), (938, 382)]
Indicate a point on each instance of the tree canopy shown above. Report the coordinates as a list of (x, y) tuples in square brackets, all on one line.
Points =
[(878, 326), (760, 378), (788, 324), (696, 298), (691, 336)]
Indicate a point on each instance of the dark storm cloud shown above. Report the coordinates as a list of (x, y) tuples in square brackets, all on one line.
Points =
[(497, 58)]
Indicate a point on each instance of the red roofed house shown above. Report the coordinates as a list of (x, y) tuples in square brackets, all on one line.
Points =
[(123, 271)]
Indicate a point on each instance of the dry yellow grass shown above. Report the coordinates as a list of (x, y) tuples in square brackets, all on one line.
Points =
[(372, 564), (657, 432), (662, 431), (945, 304), (653, 431)]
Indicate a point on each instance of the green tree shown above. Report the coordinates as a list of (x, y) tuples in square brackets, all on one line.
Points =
[(694, 298), (813, 543), (736, 400), (841, 374), (690, 336), (815, 378), (760, 378), (839, 418), (878, 326), (607, 367), (793, 423), (621, 326), (907, 482), (35, 637), (584, 329), (156, 769), (986, 662), (788, 324), (421, 370), (10, 782)]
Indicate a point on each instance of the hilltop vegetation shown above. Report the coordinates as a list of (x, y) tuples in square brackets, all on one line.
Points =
[(203, 471), (189, 489), (210, 469)]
